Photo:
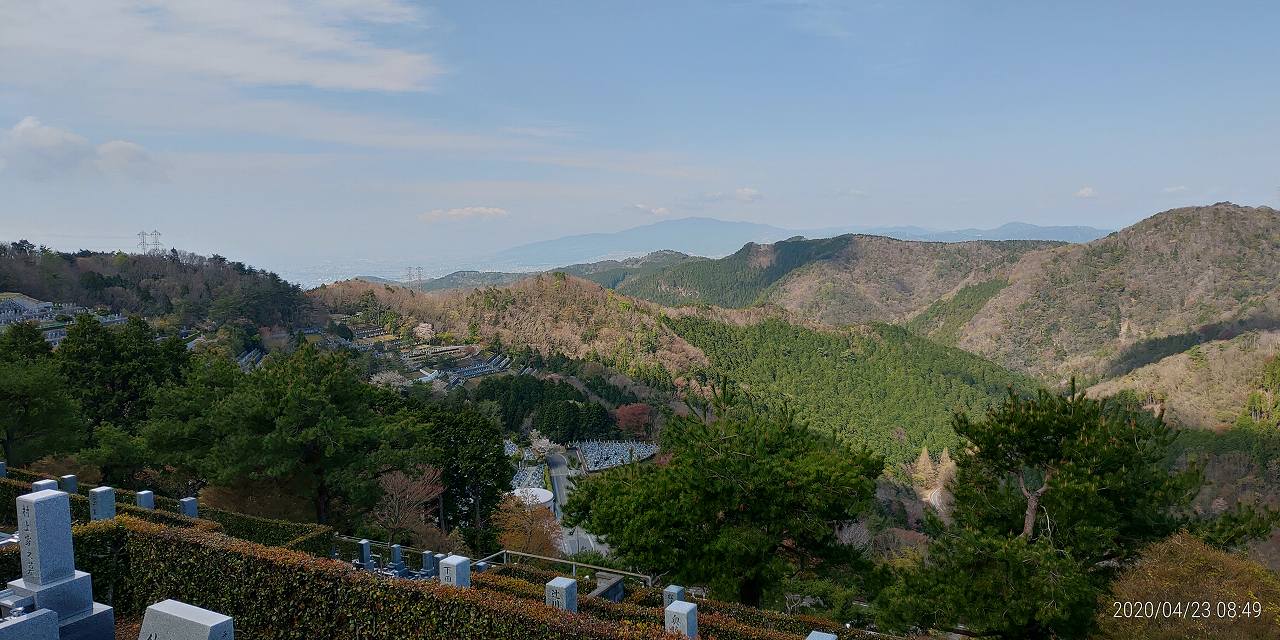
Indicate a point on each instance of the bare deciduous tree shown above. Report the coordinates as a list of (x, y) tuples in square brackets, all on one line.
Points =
[(407, 499)]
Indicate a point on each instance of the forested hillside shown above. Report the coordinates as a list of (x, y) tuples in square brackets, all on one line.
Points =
[(844, 280), (177, 287), (878, 386), (1151, 290), (607, 273)]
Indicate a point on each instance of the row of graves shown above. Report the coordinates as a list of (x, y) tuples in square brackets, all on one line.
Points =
[(561, 592), (52, 600)]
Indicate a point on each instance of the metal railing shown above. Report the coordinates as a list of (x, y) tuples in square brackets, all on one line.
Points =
[(506, 554)]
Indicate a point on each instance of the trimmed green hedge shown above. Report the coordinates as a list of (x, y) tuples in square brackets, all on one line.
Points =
[(313, 538), (277, 594)]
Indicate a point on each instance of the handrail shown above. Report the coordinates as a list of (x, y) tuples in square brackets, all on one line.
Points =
[(648, 580)]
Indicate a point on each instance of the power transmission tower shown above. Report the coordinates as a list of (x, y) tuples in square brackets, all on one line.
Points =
[(155, 242), (142, 242)]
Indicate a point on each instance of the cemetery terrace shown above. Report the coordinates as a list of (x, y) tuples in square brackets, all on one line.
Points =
[(272, 592)]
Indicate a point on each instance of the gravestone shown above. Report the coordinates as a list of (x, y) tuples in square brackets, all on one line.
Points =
[(366, 555), (69, 483), (146, 499), (562, 593), (41, 624), (4, 470), (482, 566), (820, 635), (456, 571), (44, 485), (682, 618), (397, 566), (173, 620), (673, 593), (49, 576), (102, 503), (189, 508), (609, 586), (428, 562)]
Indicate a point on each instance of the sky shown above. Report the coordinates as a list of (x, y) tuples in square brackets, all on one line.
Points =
[(294, 134)]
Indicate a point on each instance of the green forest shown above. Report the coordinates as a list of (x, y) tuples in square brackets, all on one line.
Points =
[(733, 281), (177, 288), (943, 320), (878, 386), (555, 408)]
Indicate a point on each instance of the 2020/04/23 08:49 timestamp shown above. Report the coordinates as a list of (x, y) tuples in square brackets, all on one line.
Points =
[(1191, 609)]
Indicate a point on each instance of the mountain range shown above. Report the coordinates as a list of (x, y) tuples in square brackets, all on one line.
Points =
[(714, 238)]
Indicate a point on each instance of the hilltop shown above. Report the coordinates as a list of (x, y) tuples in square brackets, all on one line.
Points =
[(1156, 288), (843, 280), (608, 273)]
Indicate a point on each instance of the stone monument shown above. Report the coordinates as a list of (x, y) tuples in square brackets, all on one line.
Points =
[(49, 576), (682, 618), (102, 503), (673, 593), (456, 571), (173, 620), (562, 593), (69, 483), (146, 499), (43, 485), (189, 508), (820, 635)]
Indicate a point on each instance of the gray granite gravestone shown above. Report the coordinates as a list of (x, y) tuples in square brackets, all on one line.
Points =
[(562, 593), (69, 483), (673, 593), (428, 561), (366, 555), (49, 575), (102, 503), (146, 499), (456, 571), (44, 485), (4, 470), (41, 624), (682, 618), (173, 620), (189, 508), (482, 566), (820, 635)]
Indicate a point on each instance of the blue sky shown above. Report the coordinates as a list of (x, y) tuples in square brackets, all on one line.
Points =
[(289, 133)]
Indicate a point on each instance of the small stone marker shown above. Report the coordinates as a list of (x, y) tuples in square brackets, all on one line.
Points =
[(146, 499), (41, 624), (49, 576), (456, 571), (173, 620), (189, 508), (820, 635), (4, 470), (682, 618), (69, 483), (562, 593), (482, 566), (673, 593), (102, 503), (428, 561), (44, 485)]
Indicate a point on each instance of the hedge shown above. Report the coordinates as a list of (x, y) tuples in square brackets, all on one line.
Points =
[(278, 594), (11, 488), (729, 620), (313, 538)]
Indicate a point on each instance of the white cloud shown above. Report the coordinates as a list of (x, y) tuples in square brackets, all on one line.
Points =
[(462, 213), (1086, 192), (251, 42), (649, 210), (38, 151), (1178, 189)]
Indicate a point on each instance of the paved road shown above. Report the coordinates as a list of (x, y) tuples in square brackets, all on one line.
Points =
[(575, 538)]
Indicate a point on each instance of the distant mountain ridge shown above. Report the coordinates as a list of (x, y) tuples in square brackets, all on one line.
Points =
[(713, 238)]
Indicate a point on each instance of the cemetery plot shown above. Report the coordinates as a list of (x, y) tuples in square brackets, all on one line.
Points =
[(598, 455)]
